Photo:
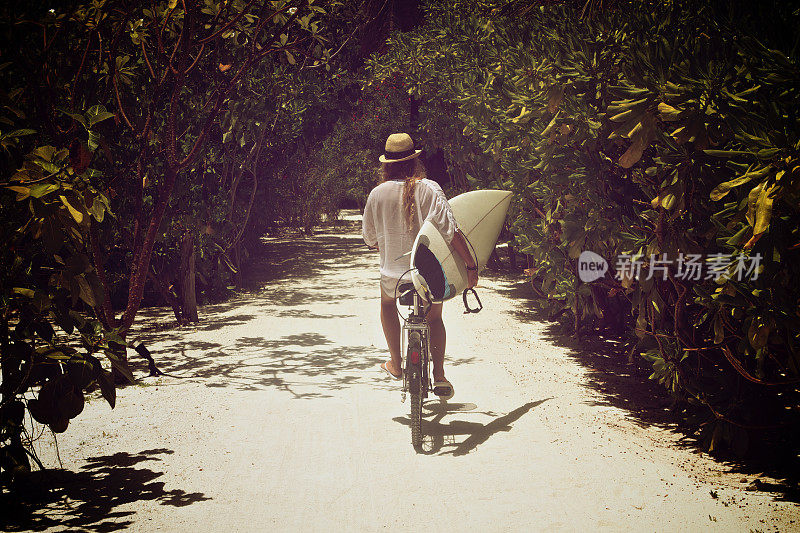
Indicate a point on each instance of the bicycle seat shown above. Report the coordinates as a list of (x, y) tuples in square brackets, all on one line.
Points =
[(406, 292)]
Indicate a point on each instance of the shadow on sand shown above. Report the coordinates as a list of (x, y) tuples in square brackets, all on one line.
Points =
[(284, 277), (274, 264), (625, 385), (289, 363), (444, 438), (306, 258), (90, 500)]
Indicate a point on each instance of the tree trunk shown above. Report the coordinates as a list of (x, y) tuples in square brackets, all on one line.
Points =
[(512, 257), (141, 262), (6, 372), (167, 296), (237, 262), (106, 311), (494, 261), (187, 278), (122, 354)]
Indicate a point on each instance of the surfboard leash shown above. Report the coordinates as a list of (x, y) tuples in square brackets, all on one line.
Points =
[(467, 309)]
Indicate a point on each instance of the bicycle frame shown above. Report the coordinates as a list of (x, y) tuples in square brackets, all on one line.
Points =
[(416, 323)]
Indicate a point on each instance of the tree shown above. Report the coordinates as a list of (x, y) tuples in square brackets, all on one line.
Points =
[(648, 131), (114, 103)]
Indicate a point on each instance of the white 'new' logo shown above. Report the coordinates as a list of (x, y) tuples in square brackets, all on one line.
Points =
[(591, 266)]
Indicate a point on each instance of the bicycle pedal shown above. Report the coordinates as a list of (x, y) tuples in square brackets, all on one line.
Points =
[(443, 391)]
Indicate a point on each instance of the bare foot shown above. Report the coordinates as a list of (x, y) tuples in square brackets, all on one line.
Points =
[(393, 370)]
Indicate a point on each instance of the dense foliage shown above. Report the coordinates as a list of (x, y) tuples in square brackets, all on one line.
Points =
[(132, 137), (660, 136)]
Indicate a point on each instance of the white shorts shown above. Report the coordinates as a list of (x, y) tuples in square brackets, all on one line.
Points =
[(388, 285)]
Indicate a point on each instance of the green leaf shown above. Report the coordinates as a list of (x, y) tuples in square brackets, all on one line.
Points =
[(668, 201), (21, 132), (63, 320), (120, 365), (224, 258), (80, 372), (113, 336), (98, 114), (43, 189), (722, 189), (85, 291), (45, 330), (76, 116), (752, 200), (98, 209), (22, 192), (768, 153), (77, 215), (58, 356), (625, 115), (93, 141), (549, 126), (668, 113), (719, 331), (554, 96), (763, 210), (632, 92), (726, 153), (77, 264), (59, 425), (758, 333), (641, 135), (23, 291), (106, 382), (71, 403), (523, 117), (41, 411)]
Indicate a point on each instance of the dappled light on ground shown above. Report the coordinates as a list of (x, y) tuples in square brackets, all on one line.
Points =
[(95, 497), (276, 397)]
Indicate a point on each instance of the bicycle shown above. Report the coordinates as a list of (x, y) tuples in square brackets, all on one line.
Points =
[(415, 350), (416, 356)]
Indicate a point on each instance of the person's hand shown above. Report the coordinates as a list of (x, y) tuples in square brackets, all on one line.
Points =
[(472, 277)]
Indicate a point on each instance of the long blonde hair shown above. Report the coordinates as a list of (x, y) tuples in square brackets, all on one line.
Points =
[(410, 171)]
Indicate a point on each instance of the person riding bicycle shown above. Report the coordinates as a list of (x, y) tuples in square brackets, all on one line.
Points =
[(393, 214)]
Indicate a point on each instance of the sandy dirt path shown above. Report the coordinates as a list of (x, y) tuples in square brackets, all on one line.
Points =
[(275, 416)]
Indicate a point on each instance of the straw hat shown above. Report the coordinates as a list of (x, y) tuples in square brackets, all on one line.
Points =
[(399, 147)]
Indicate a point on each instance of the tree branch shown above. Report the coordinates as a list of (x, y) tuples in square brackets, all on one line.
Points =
[(159, 40), (106, 310), (80, 70), (147, 61), (736, 364), (119, 104), (200, 53)]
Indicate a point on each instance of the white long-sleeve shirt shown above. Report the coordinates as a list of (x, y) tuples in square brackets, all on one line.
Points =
[(384, 222)]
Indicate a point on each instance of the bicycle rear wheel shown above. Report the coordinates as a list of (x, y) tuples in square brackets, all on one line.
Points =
[(416, 388), (415, 392)]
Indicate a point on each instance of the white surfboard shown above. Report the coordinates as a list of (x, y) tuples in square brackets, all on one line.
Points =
[(438, 269)]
